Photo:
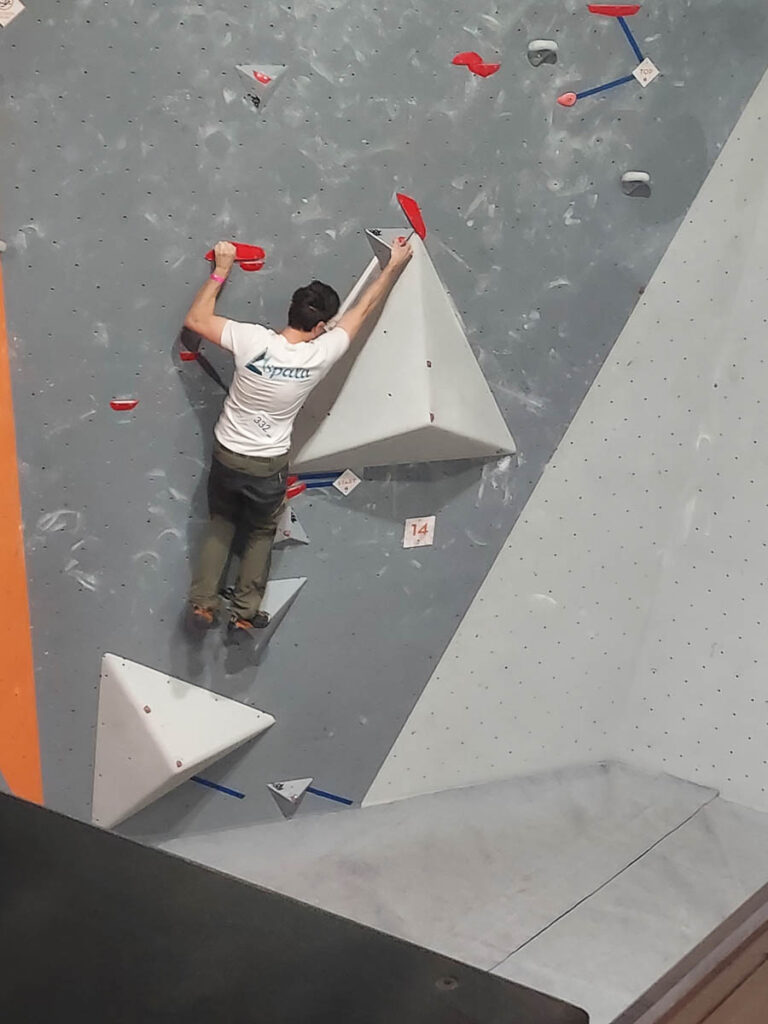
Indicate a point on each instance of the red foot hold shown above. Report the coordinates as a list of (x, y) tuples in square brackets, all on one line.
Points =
[(411, 210), (468, 58), (261, 77), (252, 265), (187, 357), (567, 99), (244, 254), (476, 64), (294, 491), (124, 404), (614, 10), (485, 70)]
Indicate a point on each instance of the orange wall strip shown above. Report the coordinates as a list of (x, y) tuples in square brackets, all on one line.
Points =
[(19, 738)]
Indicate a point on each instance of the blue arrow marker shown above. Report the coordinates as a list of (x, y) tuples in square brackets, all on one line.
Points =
[(215, 785), (329, 796), (631, 39), (608, 85)]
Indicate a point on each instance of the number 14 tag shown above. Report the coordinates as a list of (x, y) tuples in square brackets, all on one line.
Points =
[(419, 533)]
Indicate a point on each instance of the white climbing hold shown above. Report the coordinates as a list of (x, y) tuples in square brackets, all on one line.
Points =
[(636, 183), (542, 51), (262, 79), (288, 795), (290, 529), (279, 595), (141, 756), (3, 246)]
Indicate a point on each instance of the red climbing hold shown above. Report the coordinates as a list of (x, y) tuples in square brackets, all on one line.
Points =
[(124, 404), (484, 70), (468, 58), (244, 255), (294, 491), (187, 357), (614, 10), (261, 77), (475, 63), (411, 210), (567, 99)]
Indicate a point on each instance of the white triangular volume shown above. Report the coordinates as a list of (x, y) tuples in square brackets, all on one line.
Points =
[(262, 79), (279, 595), (290, 529), (288, 795), (411, 392), (154, 732)]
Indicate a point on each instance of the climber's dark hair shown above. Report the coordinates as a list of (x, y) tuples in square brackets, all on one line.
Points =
[(311, 305)]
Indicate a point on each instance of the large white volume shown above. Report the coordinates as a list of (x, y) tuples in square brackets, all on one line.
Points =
[(154, 732), (411, 391)]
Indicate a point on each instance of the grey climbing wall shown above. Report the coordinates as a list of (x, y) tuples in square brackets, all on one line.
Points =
[(127, 148)]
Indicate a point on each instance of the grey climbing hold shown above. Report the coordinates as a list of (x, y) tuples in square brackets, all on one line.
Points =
[(542, 51), (636, 184), (261, 79)]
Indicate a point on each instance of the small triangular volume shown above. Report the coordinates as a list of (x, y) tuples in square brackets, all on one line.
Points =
[(288, 795), (279, 595), (262, 79), (410, 391), (289, 529), (155, 732)]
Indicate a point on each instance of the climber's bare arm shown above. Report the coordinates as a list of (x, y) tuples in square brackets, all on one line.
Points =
[(374, 295), (201, 318)]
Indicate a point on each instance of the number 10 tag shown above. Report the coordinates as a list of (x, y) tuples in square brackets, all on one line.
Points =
[(419, 533)]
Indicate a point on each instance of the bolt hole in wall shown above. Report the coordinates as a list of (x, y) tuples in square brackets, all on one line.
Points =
[(132, 142)]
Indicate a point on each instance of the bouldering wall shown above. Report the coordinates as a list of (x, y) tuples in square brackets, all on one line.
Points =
[(130, 143), (633, 582)]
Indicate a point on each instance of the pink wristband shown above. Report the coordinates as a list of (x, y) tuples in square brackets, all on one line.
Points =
[(215, 277)]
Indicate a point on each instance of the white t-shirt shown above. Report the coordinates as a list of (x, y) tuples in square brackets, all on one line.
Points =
[(272, 380)]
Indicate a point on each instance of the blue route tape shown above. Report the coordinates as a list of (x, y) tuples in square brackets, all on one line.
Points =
[(215, 785), (602, 88), (318, 483), (330, 796), (631, 39)]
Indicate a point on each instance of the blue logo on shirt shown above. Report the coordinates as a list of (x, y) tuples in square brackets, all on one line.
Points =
[(264, 368)]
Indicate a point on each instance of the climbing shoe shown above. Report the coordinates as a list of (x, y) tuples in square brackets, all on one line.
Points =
[(259, 621), (202, 618)]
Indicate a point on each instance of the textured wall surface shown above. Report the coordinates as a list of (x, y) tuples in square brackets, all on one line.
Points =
[(587, 883), (128, 148), (635, 579)]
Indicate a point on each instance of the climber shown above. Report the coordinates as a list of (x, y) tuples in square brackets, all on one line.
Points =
[(274, 374)]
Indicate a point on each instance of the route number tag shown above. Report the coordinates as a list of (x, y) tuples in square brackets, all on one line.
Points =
[(419, 533)]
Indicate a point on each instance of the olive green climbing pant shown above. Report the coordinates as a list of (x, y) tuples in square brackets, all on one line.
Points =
[(246, 496)]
